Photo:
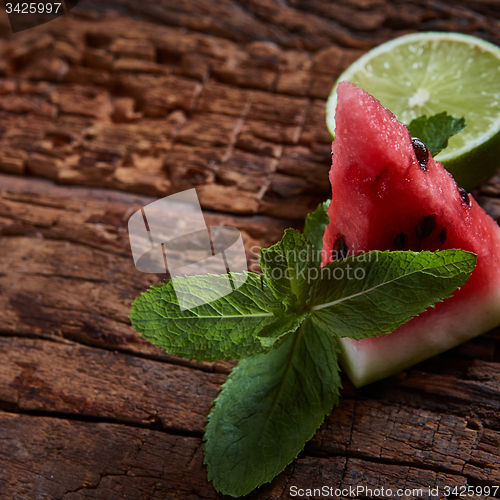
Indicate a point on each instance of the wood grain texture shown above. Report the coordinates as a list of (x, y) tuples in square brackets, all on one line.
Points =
[(313, 25), (66, 268), (103, 111), (154, 110)]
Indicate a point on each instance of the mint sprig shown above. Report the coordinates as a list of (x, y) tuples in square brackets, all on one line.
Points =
[(284, 327), (435, 131)]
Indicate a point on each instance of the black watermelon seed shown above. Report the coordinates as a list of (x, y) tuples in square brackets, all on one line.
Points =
[(424, 229), (443, 235), (464, 195), (421, 152), (339, 249), (400, 241)]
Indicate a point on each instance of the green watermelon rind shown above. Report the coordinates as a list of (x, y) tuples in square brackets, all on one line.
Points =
[(418, 341)]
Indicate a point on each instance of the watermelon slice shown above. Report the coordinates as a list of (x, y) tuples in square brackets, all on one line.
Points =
[(390, 194)]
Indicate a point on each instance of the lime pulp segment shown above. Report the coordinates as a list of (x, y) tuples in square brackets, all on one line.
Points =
[(427, 73)]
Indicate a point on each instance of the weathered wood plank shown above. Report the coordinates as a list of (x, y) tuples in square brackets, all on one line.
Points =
[(45, 457), (315, 25), (37, 375), (67, 268), (400, 434), (61, 459), (98, 218), (131, 111), (50, 377)]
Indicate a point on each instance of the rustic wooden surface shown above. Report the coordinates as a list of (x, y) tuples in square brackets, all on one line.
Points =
[(101, 112)]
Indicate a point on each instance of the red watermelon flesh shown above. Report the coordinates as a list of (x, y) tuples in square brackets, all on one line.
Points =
[(383, 198)]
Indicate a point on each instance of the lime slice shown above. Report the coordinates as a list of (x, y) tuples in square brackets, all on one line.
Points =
[(427, 73)]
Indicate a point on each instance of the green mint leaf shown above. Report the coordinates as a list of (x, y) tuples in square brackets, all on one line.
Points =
[(314, 229), (223, 328), (375, 293), (435, 131), (279, 329), (285, 266), (269, 407)]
